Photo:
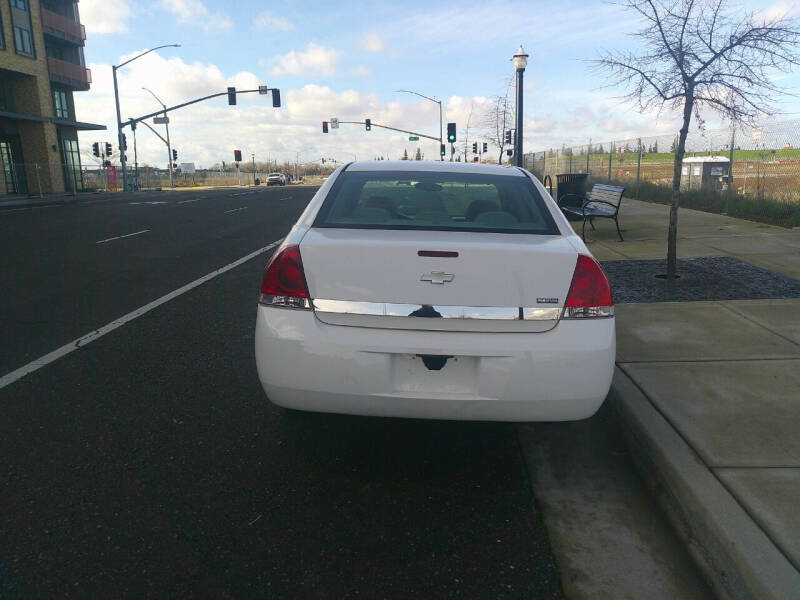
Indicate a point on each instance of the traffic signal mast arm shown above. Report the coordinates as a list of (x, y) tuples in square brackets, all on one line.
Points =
[(166, 110), (374, 124), (146, 124)]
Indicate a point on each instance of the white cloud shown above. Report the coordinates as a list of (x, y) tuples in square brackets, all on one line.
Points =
[(316, 59), (780, 9), (266, 20), (360, 71), (194, 12), (372, 42), (105, 16)]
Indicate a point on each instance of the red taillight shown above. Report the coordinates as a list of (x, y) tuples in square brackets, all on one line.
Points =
[(284, 279), (590, 292)]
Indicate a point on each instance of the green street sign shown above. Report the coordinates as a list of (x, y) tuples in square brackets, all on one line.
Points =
[(413, 138)]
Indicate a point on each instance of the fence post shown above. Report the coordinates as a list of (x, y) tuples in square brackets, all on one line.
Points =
[(638, 166), (610, 160), (730, 170)]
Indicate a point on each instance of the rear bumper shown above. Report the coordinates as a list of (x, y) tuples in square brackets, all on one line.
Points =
[(560, 375)]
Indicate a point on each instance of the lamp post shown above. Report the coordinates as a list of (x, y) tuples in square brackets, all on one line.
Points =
[(520, 60), (439, 102), (169, 146), (123, 158)]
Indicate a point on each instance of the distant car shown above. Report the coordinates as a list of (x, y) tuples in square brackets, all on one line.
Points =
[(276, 179), (435, 290)]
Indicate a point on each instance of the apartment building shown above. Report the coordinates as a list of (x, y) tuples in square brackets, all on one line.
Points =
[(41, 66)]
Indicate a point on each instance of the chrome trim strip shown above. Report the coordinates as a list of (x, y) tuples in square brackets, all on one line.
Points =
[(532, 313), (390, 309)]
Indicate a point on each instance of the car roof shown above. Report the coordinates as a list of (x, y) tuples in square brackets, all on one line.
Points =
[(432, 166)]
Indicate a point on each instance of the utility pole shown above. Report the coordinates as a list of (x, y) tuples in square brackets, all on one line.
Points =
[(169, 146), (253, 156), (135, 160), (123, 158), (729, 191), (439, 102)]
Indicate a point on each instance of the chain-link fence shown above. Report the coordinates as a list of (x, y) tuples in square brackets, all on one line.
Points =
[(764, 163)]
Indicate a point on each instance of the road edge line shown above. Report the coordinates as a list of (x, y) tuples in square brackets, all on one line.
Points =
[(82, 341), (736, 556)]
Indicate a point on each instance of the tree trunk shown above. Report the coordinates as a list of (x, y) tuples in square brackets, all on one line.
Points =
[(672, 235)]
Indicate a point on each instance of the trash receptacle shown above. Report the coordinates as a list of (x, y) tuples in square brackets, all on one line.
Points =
[(571, 183)]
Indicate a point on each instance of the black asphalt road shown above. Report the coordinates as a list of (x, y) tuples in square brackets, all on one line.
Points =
[(149, 462)]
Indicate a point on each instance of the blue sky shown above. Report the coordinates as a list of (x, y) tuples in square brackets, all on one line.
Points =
[(345, 59)]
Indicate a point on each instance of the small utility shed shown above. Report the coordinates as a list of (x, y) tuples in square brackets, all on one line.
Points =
[(704, 172)]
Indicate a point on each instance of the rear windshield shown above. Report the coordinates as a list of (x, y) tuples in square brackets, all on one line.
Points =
[(435, 201)]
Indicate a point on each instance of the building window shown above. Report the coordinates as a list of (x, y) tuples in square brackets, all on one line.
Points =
[(23, 41), (62, 106), (72, 166), (20, 4)]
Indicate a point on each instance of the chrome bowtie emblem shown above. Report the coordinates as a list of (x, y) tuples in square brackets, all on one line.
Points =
[(438, 277)]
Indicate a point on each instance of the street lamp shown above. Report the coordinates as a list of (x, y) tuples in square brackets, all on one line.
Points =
[(169, 147), (520, 60), (123, 158), (439, 102)]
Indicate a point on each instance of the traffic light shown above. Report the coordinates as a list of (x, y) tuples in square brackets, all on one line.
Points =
[(237, 155), (276, 98), (174, 154), (96, 149), (442, 149), (232, 96), (108, 149), (174, 165), (324, 127), (124, 142), (508, 137), (474, 147), (451, 132), (368, 123), (485, 147)]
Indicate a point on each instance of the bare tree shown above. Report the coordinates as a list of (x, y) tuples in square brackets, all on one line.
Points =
[(698, 54), (498, 119)]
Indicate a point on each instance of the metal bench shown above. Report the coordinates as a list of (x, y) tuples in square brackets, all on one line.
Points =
[(602, 202)]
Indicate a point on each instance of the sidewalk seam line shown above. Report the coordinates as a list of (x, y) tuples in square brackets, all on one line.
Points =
[(753, 518), (755, 322)]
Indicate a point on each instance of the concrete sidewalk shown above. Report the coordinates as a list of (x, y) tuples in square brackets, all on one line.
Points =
[(709, 394)]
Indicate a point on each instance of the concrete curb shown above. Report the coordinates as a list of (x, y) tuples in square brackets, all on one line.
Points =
[(737, 557)]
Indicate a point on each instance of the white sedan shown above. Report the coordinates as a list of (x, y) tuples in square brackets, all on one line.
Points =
[(435, 290)]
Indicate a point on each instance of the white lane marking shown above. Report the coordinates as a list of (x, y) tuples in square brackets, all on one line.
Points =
[(30, 208), (286, 198), (42, 361), (150, 202), (187, 201), (119, 237), (242, 194), (235, 209)]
